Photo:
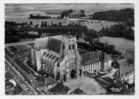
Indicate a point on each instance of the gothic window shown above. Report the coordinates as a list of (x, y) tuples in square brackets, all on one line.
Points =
[(47, 54), (58, 65), (37, 47), (57, 59), (44, 54), (63, 46), (50, 56), (73, 46), (53, 57), (70, 47)]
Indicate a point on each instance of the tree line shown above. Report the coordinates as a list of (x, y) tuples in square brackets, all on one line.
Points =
[(119, 30), (125, 15), (14, 31)]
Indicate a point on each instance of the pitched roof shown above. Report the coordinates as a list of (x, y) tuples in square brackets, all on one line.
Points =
[(89, 58), (52, 43)]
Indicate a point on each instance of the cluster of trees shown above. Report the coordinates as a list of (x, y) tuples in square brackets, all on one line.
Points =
[(123, 15), (45, 24), (15, 32), (119, 30), (90, 35), (66, 13), (11, 32), (110, 49), (38, 17), (73, 29)]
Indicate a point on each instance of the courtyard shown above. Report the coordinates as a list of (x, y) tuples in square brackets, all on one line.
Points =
[(88, 85)]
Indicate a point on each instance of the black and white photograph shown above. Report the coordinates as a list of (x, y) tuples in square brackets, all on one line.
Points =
[(69, 49)]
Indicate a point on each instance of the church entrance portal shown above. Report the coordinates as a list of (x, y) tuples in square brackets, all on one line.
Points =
[(73, 74), (58, 76)]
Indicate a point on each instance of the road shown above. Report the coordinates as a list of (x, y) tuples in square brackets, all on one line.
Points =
[(20, 79), (20, 75)]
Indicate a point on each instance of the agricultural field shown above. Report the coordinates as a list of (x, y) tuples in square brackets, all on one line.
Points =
[(120, 44)]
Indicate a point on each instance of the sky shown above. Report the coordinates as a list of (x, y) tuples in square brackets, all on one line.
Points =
[(22, 10)]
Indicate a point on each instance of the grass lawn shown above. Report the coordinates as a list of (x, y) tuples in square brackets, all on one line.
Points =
[(120, 44)]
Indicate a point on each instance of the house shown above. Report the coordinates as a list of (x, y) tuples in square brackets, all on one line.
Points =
[(127, 72)]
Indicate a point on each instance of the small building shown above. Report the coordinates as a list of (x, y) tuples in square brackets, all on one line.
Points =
[(76, 14), (127, 72), (127, 67)]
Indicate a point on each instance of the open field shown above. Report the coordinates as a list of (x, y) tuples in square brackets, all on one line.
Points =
[(120, 44)]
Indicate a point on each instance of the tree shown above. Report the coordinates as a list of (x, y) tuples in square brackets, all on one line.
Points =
[(119, 30), (130, 56), (124, 15), (82, 13)]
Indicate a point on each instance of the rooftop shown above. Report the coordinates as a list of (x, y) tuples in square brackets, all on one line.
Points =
[(93, 57), (52, 43), (126, 68)]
